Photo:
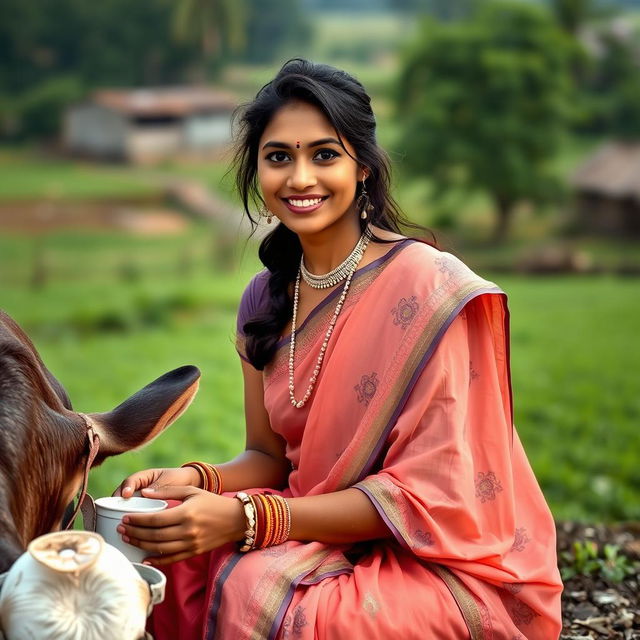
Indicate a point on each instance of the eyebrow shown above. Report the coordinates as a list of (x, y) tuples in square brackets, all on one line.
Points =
[(315, 143)]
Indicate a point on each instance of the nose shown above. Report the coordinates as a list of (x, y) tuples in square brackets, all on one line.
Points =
[(302, 175)]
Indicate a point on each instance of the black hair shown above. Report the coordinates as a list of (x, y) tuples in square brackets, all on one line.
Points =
[(347, 106)]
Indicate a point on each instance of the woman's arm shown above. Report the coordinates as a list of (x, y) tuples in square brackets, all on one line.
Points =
[(205, 521), (263, 462), (341, 517)]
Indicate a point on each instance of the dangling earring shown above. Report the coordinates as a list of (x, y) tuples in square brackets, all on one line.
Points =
[(265, 213), (363, 203)]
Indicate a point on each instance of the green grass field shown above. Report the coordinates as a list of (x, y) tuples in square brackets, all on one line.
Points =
[(106, 328)]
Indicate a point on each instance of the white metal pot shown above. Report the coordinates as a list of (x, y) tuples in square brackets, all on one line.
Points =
[(71, 585)]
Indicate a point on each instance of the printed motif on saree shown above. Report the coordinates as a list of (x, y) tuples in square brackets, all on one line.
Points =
[(412, 407)]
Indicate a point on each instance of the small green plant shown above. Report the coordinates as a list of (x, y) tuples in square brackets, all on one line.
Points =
[(584, 560), (615, 566)]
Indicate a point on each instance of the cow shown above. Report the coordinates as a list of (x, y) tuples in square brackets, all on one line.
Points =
[(47, 448)]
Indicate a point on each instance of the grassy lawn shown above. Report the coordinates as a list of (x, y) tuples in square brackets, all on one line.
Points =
[(105, 333), (576, 396), (28, 174)]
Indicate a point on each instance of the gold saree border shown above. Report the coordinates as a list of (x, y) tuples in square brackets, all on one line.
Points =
[(278, 591), (419, 352), (465, 600)]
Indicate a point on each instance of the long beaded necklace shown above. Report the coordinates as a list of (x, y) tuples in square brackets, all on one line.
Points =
[(298, 404), (338, 274)]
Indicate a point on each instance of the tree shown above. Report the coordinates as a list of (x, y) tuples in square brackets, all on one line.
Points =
[(54, 51), (217, 25), (484, 104), (282, 30), (612, 89), (572, 15), (441, 9)]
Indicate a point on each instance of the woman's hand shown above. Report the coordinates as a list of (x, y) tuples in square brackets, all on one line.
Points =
[(204, 521), (157, 478)]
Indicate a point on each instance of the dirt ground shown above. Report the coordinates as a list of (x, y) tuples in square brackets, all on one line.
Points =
[(134, 217), (594, 608)]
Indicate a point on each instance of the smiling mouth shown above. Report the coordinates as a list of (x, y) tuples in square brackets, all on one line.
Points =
[(304, 203)]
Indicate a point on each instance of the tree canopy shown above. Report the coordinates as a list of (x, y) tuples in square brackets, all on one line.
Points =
[(484, 103), (54, 51)]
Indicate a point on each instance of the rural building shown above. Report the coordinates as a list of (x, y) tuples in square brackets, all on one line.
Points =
[(607, 189), (149, 125)]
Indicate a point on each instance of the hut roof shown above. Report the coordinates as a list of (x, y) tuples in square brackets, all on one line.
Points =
[(173, 101), (613, 171)]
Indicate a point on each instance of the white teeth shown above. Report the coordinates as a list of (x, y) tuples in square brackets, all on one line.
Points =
[(304, 203)]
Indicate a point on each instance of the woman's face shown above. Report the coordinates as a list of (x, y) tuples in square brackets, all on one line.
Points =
[(307, 178)]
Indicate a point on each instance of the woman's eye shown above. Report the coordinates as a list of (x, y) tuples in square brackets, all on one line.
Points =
[(326, 154), (278, 156)]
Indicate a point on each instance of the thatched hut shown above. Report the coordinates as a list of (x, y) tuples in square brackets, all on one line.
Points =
[(608, 190)]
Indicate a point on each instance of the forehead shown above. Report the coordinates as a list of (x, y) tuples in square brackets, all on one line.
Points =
[(298, 121)]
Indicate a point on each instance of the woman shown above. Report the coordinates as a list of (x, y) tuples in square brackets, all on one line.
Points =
[(378, 405)]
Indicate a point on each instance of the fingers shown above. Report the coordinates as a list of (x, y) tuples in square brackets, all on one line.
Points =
[(155, 520), (149, 539), (165, 545), (171, 492), (135, 482)]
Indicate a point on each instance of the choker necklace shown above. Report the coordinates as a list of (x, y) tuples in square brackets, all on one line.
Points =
[(298, 404), (338, 274)]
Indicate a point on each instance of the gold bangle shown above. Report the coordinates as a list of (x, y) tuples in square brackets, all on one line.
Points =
[(216, 485), (287, 528)]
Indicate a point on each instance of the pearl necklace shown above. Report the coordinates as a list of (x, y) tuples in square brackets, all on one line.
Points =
[(298, 404), (338, 274)]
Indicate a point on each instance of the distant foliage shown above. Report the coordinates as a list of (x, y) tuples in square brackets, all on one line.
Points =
[(611, 88), (55, 51), (283, 30), (218, 27), (484, 104), (441, 9)]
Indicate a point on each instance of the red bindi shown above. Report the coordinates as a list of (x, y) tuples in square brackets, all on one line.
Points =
[(297, 144)]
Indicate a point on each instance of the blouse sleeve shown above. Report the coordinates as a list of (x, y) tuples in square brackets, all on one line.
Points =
[(254, 299)]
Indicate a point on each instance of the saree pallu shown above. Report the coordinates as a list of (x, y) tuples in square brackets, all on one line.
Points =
[(412, 407)]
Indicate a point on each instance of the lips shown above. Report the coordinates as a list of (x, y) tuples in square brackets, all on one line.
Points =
[(304, 204)]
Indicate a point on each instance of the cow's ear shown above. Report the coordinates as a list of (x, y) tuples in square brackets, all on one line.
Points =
[(142, 417)]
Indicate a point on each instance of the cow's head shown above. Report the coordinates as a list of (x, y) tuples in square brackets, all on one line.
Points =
[(43, 442)]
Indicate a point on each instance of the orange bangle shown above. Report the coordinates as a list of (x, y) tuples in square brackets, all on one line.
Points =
[(280, 512), (201, 472), (268, 535), (285, 520), (209, 475)]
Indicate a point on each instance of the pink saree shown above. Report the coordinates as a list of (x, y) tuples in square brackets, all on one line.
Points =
[(412, 407)]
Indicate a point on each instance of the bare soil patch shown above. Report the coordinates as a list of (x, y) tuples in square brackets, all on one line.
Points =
[(594, 608), (143, 217)]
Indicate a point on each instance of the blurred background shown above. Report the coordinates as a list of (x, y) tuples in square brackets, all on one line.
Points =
[(514, 130)]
